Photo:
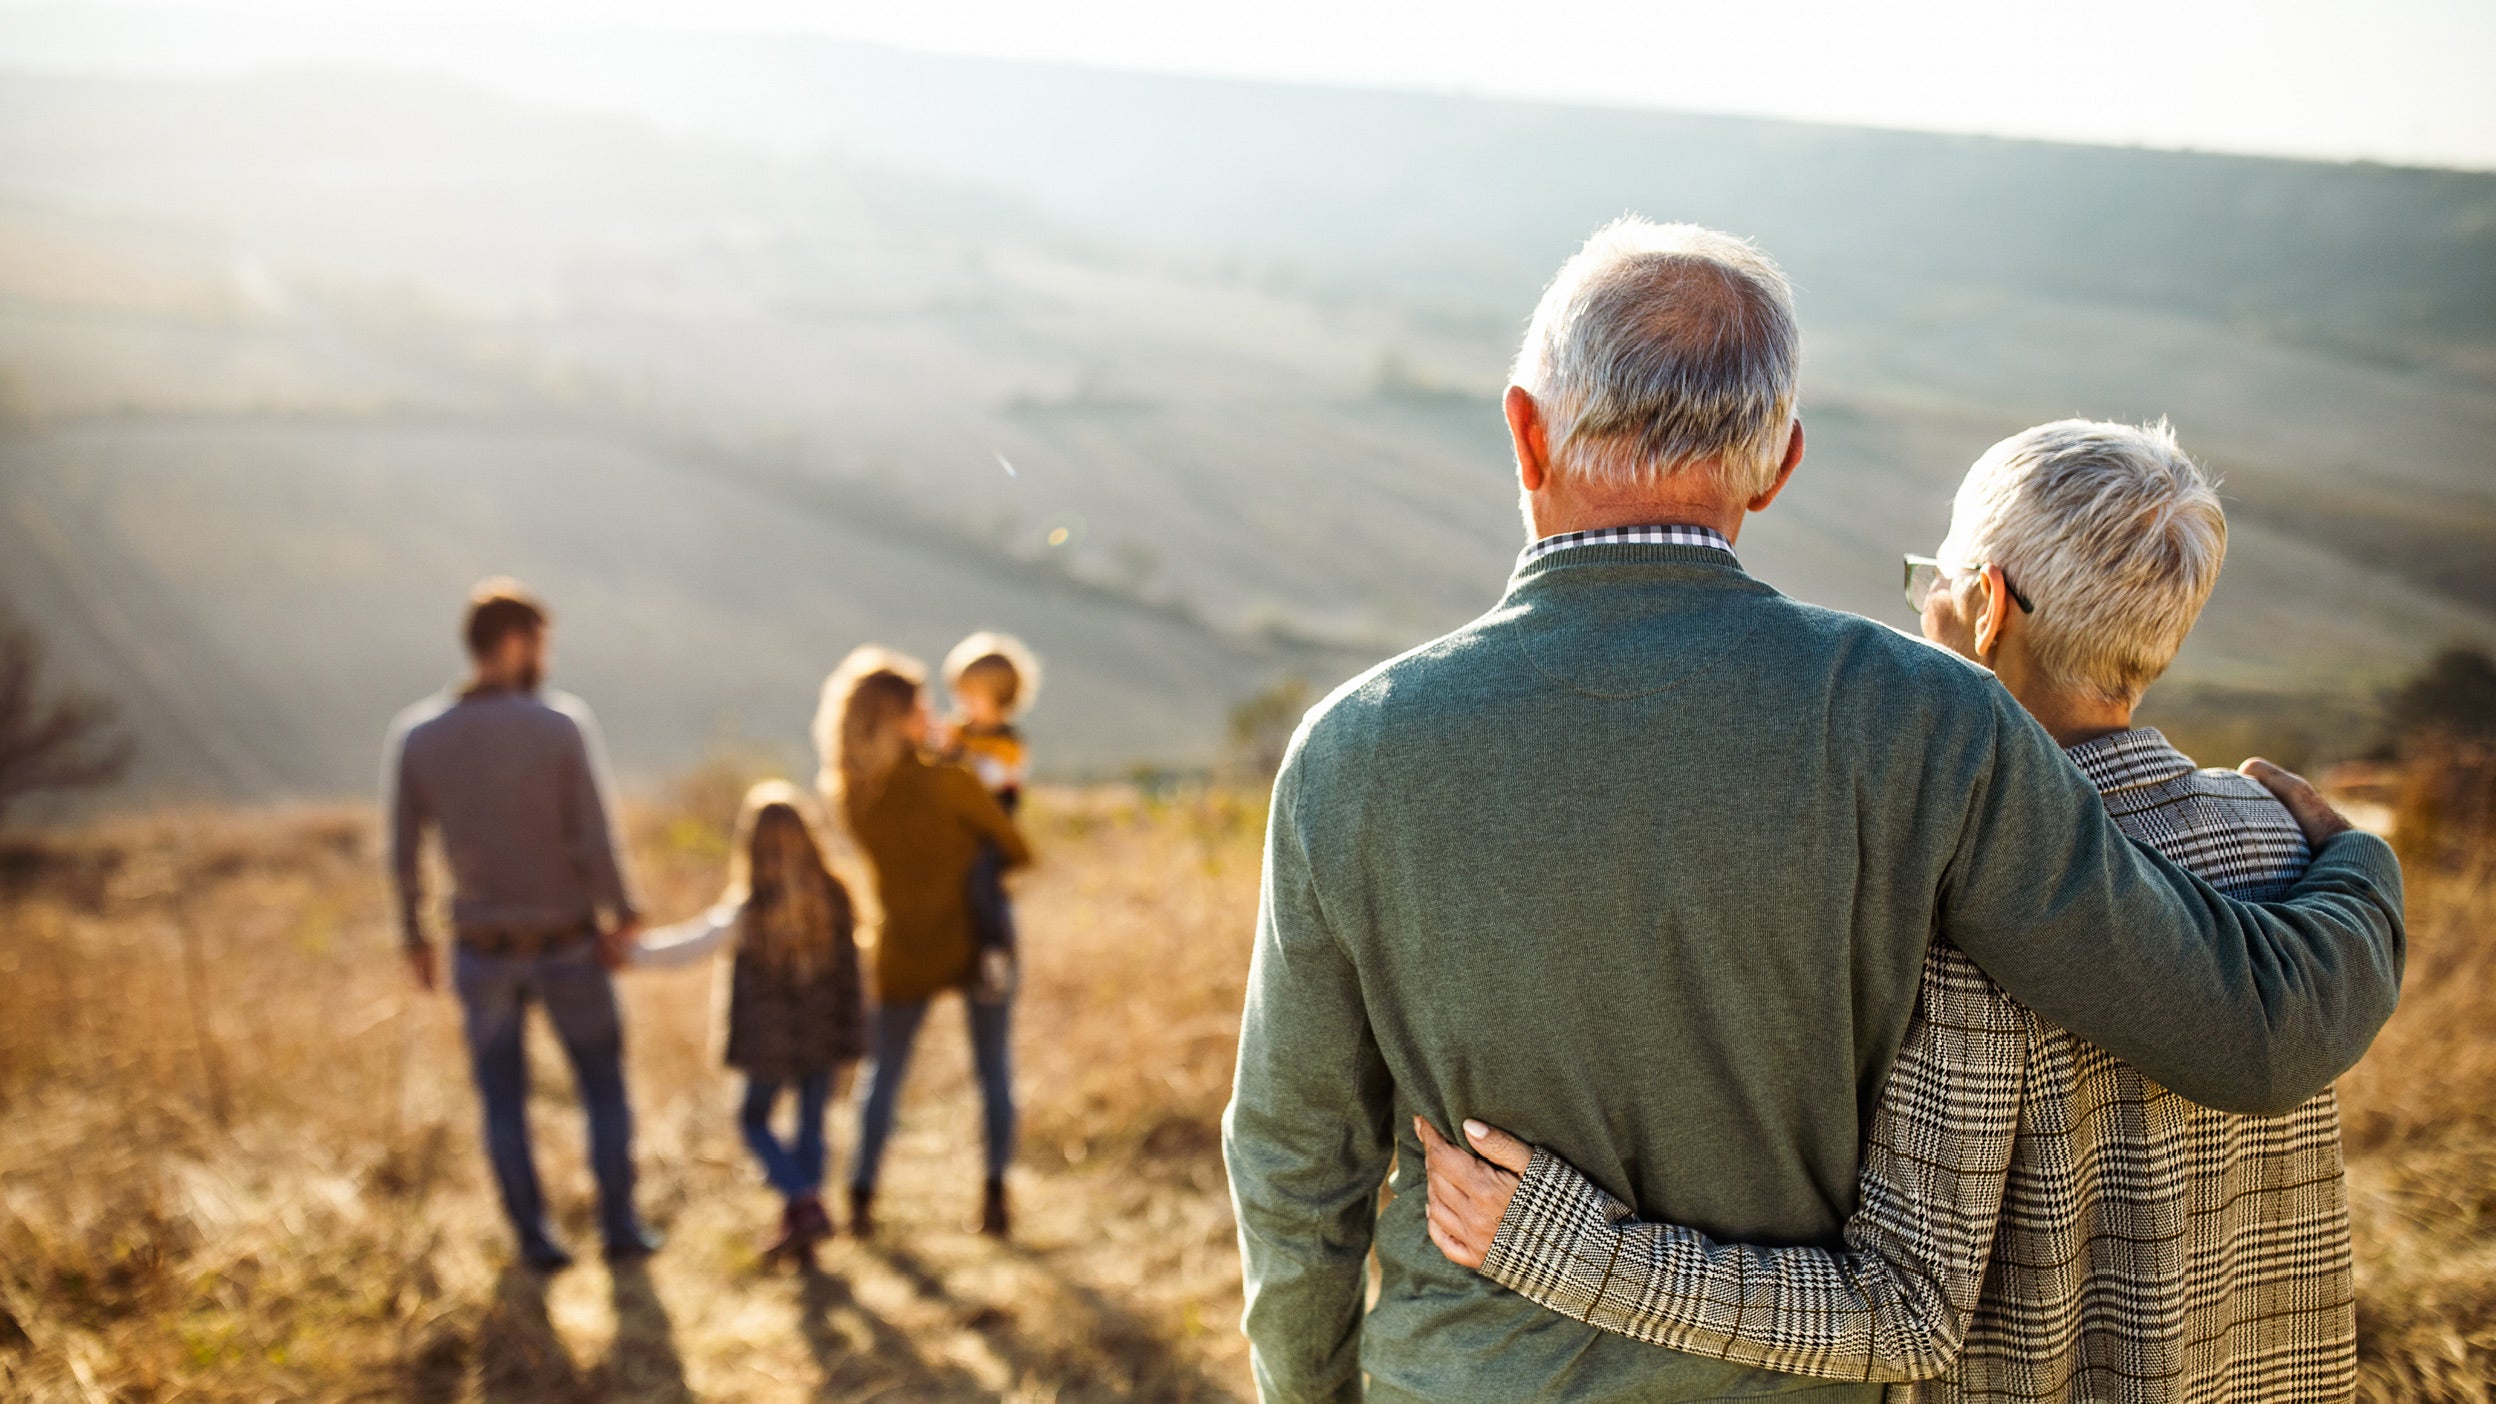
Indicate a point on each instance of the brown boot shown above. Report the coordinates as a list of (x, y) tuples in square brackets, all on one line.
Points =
[(862, 1211), (814, 1223), (790, 1238), (994, 1221)]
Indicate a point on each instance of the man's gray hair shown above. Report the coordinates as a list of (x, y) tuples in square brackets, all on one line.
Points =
[(1660, 346), (2110, 531)]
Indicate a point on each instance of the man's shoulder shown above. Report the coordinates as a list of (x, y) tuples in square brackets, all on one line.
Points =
[(554, 714), (1419, 677), (421, 711), (1862, 657), (1856, 642), (571, 710), (422, 717)]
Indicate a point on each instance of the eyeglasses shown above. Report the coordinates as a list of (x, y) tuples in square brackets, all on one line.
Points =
[(1924, 575)]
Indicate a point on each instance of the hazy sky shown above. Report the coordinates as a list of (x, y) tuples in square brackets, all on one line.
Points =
[(2401, 80)]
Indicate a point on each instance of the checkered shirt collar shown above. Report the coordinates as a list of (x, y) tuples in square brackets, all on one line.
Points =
[(1708, 537), (2129, 759)]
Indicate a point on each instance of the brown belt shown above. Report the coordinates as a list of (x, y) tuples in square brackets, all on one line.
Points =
[(526, 941)]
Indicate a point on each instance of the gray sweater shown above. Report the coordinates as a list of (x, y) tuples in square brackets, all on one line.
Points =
[(1642, 866), (515, 785)]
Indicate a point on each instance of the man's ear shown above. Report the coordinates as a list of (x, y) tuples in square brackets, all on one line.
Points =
[(1525, 435), (1785, 471)]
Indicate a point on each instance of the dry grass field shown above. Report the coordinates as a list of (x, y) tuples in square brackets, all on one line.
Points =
[(237, 1158)]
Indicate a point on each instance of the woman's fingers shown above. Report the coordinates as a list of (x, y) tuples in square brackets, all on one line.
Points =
[(1459, 1236), (1466, 1197), (1447, 1167), (1498, 1147), (1458, 1174), (1449, 1245)]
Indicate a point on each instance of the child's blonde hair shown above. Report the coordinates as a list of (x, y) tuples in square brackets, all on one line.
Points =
[(999, 662)]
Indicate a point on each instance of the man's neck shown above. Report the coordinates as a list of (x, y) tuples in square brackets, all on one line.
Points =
[(1558, 518)]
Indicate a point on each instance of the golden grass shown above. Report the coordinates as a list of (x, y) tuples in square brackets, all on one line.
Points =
[(237, 1158), (2419, 1114)]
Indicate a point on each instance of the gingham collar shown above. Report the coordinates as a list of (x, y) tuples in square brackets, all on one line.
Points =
[(1661, 535), (2141, 756)]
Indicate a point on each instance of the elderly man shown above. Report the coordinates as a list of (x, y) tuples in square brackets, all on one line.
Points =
[(1644, 865), (2035, 1219)]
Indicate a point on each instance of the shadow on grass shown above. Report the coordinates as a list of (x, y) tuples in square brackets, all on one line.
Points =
[(644, 1362), (1090, 1348), (513, 1351), (860, 1352)]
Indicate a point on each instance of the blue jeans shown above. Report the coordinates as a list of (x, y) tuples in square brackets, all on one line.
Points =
[(796, 1168), (896, 1031), (992, 912), (579, 997)]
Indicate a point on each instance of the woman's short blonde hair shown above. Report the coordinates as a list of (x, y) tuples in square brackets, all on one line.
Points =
[(2112, 533)]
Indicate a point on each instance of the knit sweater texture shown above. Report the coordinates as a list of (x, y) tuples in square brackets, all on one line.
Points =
[(1642, 866), (921, 830)]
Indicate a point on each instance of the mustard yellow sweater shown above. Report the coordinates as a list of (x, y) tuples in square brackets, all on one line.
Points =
[(921, 832)]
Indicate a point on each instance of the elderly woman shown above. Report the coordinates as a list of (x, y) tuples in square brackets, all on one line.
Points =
[(2034, 1218), (920, 826)]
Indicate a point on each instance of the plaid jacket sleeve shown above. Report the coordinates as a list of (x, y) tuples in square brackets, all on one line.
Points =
[(1893, 1304)]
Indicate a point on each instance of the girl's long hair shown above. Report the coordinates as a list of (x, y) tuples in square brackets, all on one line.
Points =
[(793, 910), (860, 727)]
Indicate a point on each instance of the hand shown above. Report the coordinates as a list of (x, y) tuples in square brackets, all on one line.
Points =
[(995, 981), (422, 964), (2306, 805), (615, 948), (1469, 1194)]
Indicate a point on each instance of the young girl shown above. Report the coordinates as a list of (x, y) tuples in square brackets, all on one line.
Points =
[(795, 1015), (920, 824)]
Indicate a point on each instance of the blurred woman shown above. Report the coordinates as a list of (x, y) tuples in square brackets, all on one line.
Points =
[(796, 1017), (919, 824)]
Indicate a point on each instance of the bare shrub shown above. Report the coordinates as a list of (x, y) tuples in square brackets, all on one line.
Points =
[(67, 743)]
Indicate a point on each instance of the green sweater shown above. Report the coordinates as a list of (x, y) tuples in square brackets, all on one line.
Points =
[(1641, 866)]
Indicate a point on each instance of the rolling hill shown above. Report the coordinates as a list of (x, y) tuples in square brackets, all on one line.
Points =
[(1191, 382)]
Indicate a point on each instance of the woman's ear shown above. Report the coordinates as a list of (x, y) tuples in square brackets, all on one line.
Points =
[(1995, 616)]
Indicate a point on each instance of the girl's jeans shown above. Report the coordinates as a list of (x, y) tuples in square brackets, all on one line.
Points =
[(796, 1168)]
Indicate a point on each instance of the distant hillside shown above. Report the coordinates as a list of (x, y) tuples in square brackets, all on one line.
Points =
[(286, 359), (1463, 199)]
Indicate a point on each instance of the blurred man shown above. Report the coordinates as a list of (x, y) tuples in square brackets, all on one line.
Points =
[(1644, 863), (512, 779)]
